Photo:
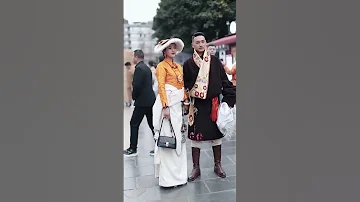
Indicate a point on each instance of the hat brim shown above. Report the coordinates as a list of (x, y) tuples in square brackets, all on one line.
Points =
[(179, 45)]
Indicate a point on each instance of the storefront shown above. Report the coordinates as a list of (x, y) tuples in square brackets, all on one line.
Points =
[(226, 48)]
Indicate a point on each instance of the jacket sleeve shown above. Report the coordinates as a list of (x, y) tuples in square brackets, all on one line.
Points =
[(229, 90), (161, 76), (137, 82)]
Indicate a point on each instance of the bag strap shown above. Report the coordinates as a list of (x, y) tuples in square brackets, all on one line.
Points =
[(162, 121)]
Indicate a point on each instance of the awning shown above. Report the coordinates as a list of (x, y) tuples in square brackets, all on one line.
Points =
[(225, 40)]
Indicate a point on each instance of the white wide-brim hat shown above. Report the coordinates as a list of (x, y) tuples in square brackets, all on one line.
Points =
[(165, 43)]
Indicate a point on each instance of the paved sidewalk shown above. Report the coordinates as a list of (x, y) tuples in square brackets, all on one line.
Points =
[(141, 185)]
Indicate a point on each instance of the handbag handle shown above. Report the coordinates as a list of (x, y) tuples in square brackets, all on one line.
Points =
[(171, 127)]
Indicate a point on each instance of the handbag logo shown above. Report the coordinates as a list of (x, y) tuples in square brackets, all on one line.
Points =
[(167, 144)]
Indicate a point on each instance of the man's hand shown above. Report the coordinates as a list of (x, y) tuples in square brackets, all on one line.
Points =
[(186, 106), (186, 109)]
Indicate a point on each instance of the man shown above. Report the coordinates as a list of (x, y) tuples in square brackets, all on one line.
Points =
[(205, 79), (212, 49), (144, 98), (129, 74)]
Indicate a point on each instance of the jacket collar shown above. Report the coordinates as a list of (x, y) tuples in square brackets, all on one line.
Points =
[(139, 63)]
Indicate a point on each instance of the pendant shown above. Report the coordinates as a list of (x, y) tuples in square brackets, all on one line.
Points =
[(180, 79)]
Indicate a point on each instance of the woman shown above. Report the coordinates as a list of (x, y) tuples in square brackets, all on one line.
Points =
[(129, 74), (231, 72), (170, 164), (152, 66)]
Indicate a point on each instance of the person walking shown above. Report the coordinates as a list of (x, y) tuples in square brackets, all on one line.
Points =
[(231, 72), (205, 79), (144, 98), (129, 74), (152, 66), (170, 164)]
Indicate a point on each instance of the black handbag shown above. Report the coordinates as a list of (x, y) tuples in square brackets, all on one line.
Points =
[(166, 141)]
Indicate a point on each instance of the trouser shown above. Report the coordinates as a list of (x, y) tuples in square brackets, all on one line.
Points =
[(197, 144), (136, 119)]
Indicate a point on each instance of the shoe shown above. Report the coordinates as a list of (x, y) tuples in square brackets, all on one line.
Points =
[(195, 173), (152, 153), (130, 152), (217, 160)]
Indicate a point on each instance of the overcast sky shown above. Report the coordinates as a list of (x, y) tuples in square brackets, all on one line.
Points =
[(140, 10)]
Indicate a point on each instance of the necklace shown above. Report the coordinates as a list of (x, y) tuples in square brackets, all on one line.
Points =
[(173, 67)]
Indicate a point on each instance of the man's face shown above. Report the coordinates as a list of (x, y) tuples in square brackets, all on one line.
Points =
[(128, 66), (199, 43), (135, 59), (212, 50)]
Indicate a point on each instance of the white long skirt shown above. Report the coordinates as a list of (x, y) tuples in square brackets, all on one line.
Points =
[(171, 164)]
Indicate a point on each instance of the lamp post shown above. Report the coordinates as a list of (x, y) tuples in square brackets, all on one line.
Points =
[(228, 27)]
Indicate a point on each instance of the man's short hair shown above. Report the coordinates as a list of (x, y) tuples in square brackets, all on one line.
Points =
[(196, 34), (127, 64), (212, 45), (139, 54)]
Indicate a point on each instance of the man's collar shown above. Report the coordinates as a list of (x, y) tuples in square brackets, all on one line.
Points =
[(139, 62)]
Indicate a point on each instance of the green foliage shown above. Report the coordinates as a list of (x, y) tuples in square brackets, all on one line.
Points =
[(182, 18)]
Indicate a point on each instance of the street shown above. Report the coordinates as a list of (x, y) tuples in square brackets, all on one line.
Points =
[(141, 185)]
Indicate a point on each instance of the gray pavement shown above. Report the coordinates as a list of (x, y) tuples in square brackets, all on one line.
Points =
[(141, 185)]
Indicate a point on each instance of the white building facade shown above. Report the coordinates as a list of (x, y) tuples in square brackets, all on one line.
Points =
[(138, 35)]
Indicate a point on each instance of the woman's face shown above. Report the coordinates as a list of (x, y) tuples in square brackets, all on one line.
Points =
[(170, 51)]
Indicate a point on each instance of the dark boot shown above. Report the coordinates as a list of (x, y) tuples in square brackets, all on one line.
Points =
[(195, 173), (217, 160)]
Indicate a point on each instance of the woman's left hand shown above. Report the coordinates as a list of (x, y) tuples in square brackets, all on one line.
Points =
[(166, 113)]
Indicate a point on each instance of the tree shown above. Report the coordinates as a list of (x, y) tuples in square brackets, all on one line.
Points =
[(182, 18)]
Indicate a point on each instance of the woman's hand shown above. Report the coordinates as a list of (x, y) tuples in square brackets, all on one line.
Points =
[(166, 113)]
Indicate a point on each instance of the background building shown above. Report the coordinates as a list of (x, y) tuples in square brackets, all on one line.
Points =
[(138, 35), (226, 50)]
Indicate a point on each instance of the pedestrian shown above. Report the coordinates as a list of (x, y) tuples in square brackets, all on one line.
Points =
[(129, 74), (231, 72), (212, 49), (152, 66), (205, 79), (144, 98), (170, 164)]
